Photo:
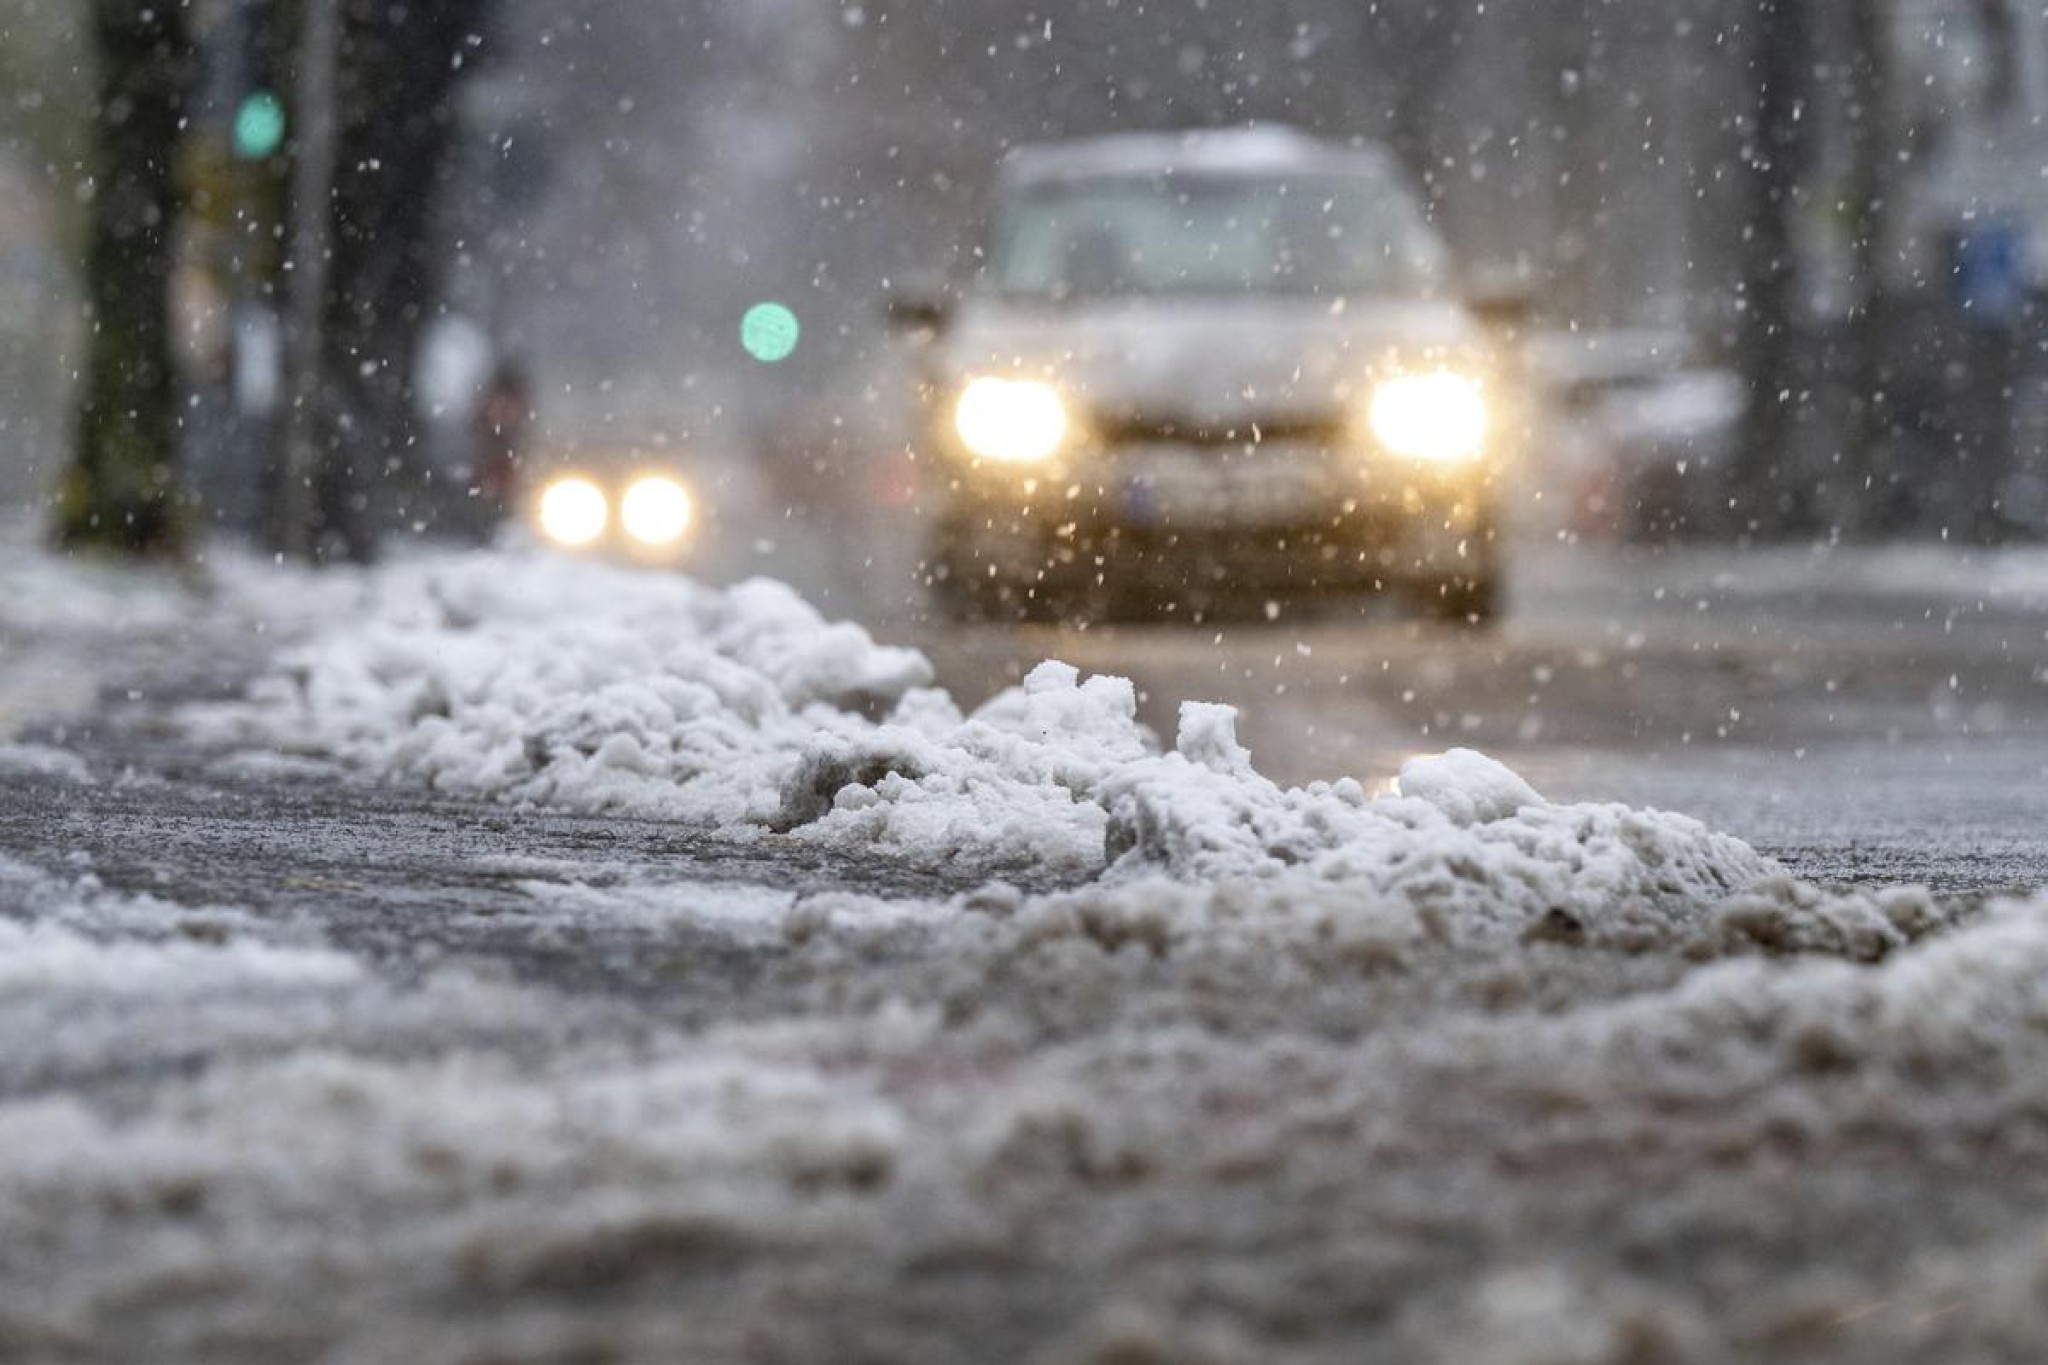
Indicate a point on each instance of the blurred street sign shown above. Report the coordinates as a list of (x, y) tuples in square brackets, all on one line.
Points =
[(1989, 278)]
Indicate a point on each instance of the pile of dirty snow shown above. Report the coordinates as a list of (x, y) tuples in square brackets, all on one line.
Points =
[(577, 685)]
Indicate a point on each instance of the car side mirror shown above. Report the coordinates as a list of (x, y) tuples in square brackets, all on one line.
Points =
[(919, 307)]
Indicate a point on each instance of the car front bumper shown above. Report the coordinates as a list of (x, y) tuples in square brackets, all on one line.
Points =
[(1267, 518)]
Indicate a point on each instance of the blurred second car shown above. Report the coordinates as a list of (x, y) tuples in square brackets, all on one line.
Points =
[(621, 506)]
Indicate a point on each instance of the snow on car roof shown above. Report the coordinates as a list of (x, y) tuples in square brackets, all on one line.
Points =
[(1253, 150)]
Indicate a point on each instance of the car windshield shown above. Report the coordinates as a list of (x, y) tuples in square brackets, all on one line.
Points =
[(1177, 234)]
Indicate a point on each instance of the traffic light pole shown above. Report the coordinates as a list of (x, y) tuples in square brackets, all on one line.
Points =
[(1769, 492), (312, 210)]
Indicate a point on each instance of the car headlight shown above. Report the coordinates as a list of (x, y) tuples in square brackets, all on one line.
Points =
[(573, 511), (656, 511), (1439, 417), (1013, 421)]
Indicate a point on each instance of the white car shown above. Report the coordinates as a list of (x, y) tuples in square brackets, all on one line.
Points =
[(1208, 367)]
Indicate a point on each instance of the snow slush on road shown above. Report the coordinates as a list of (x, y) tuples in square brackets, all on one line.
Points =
[(742, 712), (1163, 1062)]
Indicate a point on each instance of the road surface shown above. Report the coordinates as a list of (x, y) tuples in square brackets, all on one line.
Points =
[(302, 1066)]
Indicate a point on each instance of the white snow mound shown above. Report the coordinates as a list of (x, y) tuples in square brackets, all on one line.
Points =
[(527, 678)]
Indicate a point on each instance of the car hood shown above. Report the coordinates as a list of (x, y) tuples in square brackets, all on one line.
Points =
[(1205, 362)]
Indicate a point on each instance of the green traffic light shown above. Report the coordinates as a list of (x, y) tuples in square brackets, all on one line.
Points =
[(769, 332), (259, 126)]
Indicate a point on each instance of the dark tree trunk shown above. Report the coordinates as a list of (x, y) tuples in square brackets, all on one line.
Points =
[(122, 489), (1767, 497), (399, 70)]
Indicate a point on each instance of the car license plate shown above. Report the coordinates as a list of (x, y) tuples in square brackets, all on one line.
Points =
[(1197, 489)]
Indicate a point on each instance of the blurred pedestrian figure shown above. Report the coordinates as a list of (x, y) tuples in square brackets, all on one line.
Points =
[(498, 427)]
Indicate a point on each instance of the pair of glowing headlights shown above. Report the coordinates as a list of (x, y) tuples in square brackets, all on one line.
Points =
[(1440, 417), (655, 511)]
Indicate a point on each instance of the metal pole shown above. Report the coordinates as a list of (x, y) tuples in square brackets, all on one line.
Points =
[(312, 200), (1768, 489)]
